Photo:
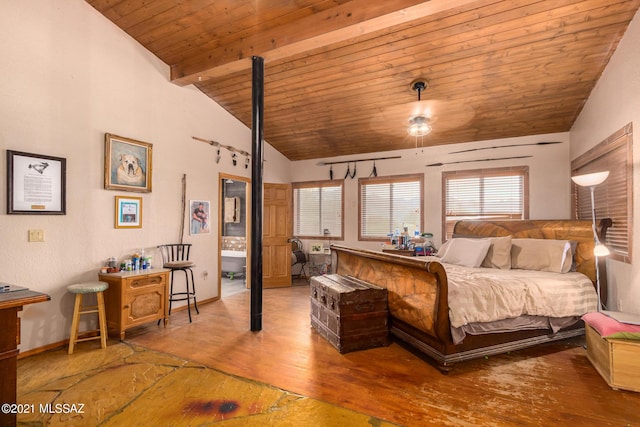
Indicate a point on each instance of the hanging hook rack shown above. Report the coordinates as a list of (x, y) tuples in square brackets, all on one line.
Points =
[(358, 160), (229, 148)]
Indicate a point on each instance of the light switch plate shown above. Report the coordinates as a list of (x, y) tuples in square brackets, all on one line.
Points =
[(36, 235)]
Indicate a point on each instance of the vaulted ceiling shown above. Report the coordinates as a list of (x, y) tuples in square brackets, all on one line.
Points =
[(338, 73)]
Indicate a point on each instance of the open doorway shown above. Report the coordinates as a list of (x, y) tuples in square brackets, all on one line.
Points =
[(234, 233)]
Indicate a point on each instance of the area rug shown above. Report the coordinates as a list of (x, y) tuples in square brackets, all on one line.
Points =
[(125, 385)]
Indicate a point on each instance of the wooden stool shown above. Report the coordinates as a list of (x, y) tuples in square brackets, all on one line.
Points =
[(79, 290)]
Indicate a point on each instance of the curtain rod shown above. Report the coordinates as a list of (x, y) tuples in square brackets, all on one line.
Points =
[(358, 160)]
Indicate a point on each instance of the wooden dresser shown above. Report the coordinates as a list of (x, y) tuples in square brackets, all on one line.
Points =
[(134, 298), (11, 304)]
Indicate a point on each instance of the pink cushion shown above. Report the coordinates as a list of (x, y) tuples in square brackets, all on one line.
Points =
[(608, 327)]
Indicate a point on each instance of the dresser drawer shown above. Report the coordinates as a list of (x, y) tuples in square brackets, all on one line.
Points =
[(142, 281)]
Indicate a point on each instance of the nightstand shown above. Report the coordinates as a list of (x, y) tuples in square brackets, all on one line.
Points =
[(134, 298)]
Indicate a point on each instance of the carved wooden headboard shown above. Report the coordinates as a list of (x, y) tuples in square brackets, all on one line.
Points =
[(579, 230)]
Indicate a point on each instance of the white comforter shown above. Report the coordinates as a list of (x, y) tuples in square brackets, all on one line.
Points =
[(488, 294)]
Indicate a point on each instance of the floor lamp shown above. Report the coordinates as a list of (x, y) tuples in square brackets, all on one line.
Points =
[(592, 180)]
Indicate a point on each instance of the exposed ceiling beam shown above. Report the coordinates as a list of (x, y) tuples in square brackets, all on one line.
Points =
[(344, 22)]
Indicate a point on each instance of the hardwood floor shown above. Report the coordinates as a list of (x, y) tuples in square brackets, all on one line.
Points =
[(552, 384)]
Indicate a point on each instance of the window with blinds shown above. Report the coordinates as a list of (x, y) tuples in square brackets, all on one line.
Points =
[(389, 203), (484, 194), (318, 209), (614, 197)]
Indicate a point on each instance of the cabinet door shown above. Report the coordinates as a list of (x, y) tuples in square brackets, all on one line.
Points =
[(144, 299)]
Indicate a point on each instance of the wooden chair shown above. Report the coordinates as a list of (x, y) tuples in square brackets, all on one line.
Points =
[(175, 257), (79, 290)]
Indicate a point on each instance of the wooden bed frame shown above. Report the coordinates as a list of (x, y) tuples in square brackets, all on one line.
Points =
[(418, 287)]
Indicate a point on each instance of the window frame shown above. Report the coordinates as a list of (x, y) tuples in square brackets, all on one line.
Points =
[(382, 180), (621, 139), (485, 173), (318, 184)]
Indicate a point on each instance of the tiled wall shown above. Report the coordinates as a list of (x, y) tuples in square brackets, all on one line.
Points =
[(234, 243)]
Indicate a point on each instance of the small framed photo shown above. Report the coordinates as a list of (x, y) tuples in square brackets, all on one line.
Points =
[(317, 248), (35, 184), (199, 214), (128, 212), (127, 164)]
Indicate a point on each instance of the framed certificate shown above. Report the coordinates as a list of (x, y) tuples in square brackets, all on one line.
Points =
[(35, 184)]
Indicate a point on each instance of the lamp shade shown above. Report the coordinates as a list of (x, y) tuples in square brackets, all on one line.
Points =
[(601, 250), (419, 126), (590, 179)]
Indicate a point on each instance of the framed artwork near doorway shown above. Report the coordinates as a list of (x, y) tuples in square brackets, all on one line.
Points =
[(200, 211)]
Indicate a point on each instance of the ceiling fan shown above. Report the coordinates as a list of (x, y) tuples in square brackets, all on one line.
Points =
[(417, 119), (419, 124)]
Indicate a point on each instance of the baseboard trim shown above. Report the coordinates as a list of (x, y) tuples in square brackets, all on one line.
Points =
[(65, 342)]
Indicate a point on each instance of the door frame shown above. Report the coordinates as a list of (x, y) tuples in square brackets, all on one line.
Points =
[(222, 176)]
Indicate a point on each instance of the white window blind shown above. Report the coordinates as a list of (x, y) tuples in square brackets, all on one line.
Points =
[(613, 198), (484, 194), (389, 203), (317, 208)]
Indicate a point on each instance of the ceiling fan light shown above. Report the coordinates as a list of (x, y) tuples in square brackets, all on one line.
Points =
[(419, 126)]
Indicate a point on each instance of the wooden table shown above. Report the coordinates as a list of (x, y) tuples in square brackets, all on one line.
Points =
[(405, 252), (11, 304)]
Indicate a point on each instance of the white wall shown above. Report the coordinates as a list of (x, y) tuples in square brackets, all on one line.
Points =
[(69, 76), (614, 102), (549, 176)]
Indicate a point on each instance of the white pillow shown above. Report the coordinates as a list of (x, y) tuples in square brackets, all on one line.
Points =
[(466, 252), (541, 254), (443, 249), (499, 254)]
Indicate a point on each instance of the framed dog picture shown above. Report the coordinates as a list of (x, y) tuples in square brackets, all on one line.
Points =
[(127, 164), (128, 212)]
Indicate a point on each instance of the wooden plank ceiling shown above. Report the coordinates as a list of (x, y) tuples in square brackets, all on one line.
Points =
[(338, 72)]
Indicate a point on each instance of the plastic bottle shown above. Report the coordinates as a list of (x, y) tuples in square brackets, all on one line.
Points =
[(143, 261)]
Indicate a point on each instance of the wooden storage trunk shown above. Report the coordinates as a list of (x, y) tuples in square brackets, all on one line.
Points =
[(617, 361), (350, 313)]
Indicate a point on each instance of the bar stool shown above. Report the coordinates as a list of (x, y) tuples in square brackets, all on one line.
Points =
[(175, 257), (79, 290)]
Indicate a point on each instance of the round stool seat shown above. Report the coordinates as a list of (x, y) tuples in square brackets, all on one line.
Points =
[(87, 287), (179, 264)]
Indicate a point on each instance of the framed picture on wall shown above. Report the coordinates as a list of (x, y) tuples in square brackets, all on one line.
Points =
[(35, 184), (128, 212), (127, 164), (199, 214), (317, 248)]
